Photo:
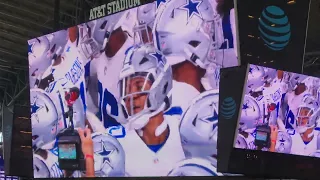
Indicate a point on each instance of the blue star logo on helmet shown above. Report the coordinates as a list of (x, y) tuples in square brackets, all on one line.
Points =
[(30, 47), (35, 108), (250, 70), (192, 7), (245, 106), (214, 116), (158, 56), (159, 2), (104, 152)]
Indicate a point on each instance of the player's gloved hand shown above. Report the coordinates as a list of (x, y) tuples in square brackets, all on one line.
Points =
[(86, 141)]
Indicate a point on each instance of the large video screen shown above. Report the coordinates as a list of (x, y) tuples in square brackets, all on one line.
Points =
[(131, 94), (280, 112)]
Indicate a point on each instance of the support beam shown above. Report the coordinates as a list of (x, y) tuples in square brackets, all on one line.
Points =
[(13, 93), (56, 16), (23, 20), (17, 95), (315, 53)]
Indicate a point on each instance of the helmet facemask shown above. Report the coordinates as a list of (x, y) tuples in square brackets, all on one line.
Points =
[(143, 34), (89, 45), (303, 119), (145, 87), (137, 90)]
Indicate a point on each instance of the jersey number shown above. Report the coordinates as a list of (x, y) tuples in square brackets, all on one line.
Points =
[(106, 99), (290, 119)]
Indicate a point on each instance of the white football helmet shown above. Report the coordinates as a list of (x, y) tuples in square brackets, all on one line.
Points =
[(196, 167), (283, 143), (250, 113), (95, 34), (183, 31), (109, 156), (255, 77), (146, 15), (147, 64), (39, 58), (44, 118), (308, 111), (40, 169), (198, 127), (240, 142)]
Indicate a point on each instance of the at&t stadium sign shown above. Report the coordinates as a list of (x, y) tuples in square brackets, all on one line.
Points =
[(112, 7)]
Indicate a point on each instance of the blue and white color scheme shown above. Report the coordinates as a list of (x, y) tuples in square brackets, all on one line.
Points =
[(288, 103), (148, 81)]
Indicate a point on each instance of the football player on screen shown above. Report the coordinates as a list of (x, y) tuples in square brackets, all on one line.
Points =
[(153, 138), (183, 32), (58, 42), (266, 86), (47, 121), (297, 90), (198, 127), (45, 125), (38, 59), (111, 36), (304, 137), (146, 15), (251, 115), (41, 54)]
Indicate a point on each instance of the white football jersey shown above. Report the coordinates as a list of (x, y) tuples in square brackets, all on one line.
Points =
[(142, 161), (271, 95), (182, 94), (108, 77), (71, 71), (299, 147)]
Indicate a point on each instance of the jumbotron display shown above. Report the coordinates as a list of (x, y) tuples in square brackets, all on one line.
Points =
[(280, 113), (131, 94)]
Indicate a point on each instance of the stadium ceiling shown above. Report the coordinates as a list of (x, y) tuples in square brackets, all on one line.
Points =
[(21, 20)]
